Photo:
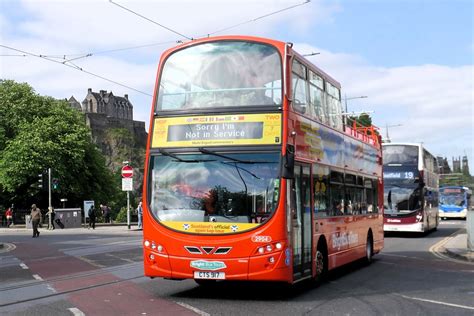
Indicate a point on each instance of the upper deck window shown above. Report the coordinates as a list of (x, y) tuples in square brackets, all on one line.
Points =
[(299, 87), (334, 108), (221, 74)]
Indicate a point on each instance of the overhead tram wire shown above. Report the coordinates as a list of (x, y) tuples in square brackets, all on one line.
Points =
[(85, 55), (75, 67), (150, 20), (311, 54), (13, 55), (256, 19)]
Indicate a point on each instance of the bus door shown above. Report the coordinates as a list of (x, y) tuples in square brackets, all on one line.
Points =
[(301, 221)]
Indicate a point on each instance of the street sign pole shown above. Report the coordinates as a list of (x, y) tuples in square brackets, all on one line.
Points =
[(128, 209), (50, 207), (127, 180)]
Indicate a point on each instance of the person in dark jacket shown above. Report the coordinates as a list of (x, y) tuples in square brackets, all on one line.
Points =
[(35, 219), (92, 217)]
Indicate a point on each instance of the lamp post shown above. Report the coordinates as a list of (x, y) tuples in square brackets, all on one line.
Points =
[(352, 98), (345, 104), (386, 131)]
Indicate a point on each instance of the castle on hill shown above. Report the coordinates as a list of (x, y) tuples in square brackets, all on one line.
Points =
[(105, 111)]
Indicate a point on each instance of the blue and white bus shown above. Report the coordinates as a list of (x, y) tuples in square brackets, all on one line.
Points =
[(454, 201)]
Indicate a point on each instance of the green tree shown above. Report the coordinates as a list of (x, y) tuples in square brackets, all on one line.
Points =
[(39, 132), (362, 120), (123, 148)]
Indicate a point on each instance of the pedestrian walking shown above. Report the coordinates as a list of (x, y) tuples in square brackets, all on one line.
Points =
[(140, 214), (51, 214), (106, 212), (9, 216), (92, 217), (35, 218)]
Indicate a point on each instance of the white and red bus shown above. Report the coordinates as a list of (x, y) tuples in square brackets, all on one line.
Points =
[(411, 187), (250, 173)]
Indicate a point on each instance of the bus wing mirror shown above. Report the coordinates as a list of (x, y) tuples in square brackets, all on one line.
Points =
[(288, 165)]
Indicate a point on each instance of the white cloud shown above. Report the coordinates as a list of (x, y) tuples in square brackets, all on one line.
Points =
[(433, 102)]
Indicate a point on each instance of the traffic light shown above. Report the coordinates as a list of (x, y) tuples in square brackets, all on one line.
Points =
[(40, 181), (55, 183), (43, 183)]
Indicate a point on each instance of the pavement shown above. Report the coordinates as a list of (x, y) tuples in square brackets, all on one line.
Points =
[(99, 228), (456, 246)]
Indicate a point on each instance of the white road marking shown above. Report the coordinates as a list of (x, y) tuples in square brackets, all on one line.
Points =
[(23, 266), (49, 287), (435, 302), (438, 250), (194, 309), (76, 311), (37, 277)]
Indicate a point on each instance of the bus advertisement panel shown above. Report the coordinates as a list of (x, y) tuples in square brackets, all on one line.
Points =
[(410, 188), (454, 201), (250, 173), (217, 130)]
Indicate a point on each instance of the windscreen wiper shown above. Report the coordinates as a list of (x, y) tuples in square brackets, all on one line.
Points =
[(243, 169), (166, 153)]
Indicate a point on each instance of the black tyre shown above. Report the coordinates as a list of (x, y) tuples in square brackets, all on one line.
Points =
[(321, 264), (369, 249)]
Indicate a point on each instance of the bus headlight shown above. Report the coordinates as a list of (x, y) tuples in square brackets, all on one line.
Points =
[(146, 243)]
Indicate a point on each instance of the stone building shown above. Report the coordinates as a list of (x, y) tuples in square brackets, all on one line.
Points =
[(104, 112), (443, 165)]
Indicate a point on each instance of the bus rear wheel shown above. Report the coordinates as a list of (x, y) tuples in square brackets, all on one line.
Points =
[(369, 249)]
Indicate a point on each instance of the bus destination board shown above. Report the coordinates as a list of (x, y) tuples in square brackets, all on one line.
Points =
[(217, 130)]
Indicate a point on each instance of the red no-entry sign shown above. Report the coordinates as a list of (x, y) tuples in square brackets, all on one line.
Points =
[(127, 172)]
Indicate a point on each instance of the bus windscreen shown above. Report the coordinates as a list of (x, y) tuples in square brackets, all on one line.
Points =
[(192, 189), (400, 154), (452, 197), (221, 74)]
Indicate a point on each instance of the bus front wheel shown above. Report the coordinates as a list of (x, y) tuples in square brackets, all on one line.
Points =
[(321, 263)]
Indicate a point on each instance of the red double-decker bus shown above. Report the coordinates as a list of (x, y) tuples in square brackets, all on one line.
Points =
[(250, 172)]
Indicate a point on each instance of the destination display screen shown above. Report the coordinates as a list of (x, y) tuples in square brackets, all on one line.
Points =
[(217, 130), (399, 175), (446, 191)]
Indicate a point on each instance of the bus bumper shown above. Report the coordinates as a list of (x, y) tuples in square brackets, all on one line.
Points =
[(416, 227), (460, 214), (268, 267)]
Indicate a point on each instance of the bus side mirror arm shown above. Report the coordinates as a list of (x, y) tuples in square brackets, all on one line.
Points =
[(288, 163)]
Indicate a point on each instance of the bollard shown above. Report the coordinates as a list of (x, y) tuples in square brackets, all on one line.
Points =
[(470, 228)]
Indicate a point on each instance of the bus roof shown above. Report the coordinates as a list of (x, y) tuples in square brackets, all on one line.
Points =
[(403, 144), (279, 44)]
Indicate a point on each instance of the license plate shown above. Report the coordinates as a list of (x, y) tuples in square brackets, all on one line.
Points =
[(211, 275)]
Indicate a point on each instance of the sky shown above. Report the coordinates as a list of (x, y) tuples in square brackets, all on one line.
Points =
[(413, 59)]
